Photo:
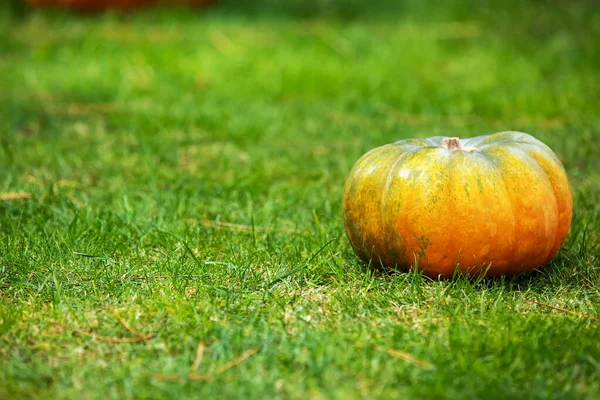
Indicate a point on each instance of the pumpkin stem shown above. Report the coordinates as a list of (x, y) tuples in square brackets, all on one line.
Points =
[(451, 143)]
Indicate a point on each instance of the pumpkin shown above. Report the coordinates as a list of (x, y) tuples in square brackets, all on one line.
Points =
[(496, 205)]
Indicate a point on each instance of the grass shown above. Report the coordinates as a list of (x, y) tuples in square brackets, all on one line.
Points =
[(175, 178)]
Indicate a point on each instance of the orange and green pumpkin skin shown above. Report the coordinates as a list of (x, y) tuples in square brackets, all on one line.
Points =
[(498, 204)]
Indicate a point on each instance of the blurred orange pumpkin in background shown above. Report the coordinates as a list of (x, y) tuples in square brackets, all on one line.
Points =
[(100, 5)]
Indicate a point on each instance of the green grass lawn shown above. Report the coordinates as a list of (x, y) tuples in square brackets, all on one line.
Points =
[(170, 183)]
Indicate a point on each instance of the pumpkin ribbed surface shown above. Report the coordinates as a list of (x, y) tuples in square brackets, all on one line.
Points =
[(499, 203)]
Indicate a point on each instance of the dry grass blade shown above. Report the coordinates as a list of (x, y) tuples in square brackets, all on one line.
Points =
[(197, 377), (15, 196), (225, 367), (238, 360), (111, 339), (140, 337), (167, 378), (403, 355), (222, 43), (564, 310), (125, 323), (199, 355)]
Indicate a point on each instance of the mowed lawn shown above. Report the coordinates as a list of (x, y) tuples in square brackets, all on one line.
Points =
[(170, 201)]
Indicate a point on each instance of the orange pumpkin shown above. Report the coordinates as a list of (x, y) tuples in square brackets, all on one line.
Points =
[(498, 204)]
